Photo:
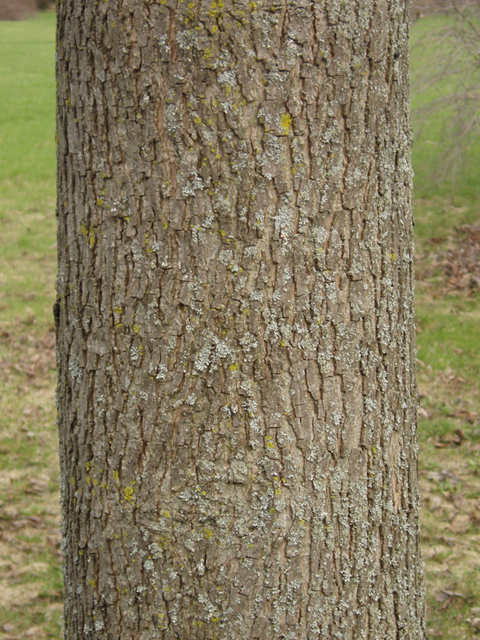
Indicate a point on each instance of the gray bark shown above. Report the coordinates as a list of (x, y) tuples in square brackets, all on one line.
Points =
[(236, 350)]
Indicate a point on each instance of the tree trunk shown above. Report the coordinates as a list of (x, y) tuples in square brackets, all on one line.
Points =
[(237, 396)]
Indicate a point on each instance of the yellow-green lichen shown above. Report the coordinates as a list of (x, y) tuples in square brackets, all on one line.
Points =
[(270, 444), (286, 122), (88, 233)]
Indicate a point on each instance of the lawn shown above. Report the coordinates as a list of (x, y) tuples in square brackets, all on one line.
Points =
[(448, 340), (448, 314), (30, 575)]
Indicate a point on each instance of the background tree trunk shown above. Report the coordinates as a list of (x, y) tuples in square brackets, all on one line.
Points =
[(235, 318)]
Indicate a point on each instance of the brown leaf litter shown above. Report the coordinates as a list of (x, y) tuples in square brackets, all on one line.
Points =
[(460, 261)]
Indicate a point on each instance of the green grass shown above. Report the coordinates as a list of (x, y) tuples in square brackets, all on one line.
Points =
[(27, 167), (436, 215), (30, 576), (27, 126), (450, 338), (429, 46)]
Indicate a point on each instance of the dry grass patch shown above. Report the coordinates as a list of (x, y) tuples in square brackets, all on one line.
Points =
[(30, 558)]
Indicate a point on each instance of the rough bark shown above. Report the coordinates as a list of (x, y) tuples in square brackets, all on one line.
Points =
[(235, 321)]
